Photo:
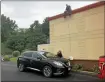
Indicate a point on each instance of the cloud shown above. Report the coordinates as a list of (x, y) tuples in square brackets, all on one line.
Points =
[(6, 10)]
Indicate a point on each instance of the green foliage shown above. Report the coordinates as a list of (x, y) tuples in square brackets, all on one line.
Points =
[(77, 67), (21, 39), (5, 50), (26, 50), (35, 27), (35, 39), (16, 53), (6, 58), (45, 27), (7, 27), (26, 41), (16, 42), (95, 69)]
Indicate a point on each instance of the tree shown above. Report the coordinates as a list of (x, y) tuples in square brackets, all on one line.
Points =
[(16, 42), (5, 50), (35, 39), (26, 40), (45, 26), (22, 39), (35, 27), (7, 27)]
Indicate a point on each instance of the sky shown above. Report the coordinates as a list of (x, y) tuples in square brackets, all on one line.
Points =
[(26, 12)]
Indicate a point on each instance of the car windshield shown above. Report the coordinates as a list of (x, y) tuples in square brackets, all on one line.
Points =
[(48, 54)]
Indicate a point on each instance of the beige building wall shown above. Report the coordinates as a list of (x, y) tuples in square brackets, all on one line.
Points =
[(81, 35), (46, 47)]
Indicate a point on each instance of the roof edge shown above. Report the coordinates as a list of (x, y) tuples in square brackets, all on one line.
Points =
[(94, 5)]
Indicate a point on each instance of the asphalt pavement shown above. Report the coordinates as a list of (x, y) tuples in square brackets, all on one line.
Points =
[(10, 72)]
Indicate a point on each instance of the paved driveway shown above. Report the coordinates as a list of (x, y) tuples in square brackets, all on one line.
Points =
[(9, 72)]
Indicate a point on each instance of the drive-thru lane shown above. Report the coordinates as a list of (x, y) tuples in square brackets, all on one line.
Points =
[(9, 72)]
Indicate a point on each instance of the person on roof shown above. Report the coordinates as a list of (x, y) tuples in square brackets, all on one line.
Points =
[(67, 10)]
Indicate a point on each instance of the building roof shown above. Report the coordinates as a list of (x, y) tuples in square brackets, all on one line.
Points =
[(94, 5)]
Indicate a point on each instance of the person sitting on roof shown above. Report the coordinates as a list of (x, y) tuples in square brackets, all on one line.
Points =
[(67, 10)]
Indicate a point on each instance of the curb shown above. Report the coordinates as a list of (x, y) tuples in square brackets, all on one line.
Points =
[(86, 73)]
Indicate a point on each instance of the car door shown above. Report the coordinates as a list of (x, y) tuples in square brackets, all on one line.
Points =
[(35, 62), (27, 58)]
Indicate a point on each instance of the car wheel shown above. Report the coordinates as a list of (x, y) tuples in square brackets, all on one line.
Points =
[(21, 67), (47, 71)]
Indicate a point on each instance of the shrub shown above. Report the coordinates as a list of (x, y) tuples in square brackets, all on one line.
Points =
[(77, 67), (6, 58), (95, 69), (16, 53)]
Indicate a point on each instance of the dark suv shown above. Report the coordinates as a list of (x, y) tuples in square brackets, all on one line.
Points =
[(46, 62)]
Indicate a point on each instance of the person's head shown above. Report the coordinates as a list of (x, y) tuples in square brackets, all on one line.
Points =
[(59, 52), (66, 5)]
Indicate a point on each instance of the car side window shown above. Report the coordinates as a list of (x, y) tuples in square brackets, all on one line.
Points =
[(28, 54), (36, 55)]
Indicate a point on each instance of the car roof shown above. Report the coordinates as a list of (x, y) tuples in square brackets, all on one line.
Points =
[(33, 51)]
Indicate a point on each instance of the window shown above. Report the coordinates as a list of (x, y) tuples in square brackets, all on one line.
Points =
[(28, 54), (35, 55), (49, 55)]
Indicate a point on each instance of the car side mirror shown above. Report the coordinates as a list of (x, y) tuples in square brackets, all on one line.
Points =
[(39, 58)]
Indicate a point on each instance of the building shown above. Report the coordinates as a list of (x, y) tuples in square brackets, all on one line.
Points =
[(81, 35)]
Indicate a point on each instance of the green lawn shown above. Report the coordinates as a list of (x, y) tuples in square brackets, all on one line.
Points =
[(14, 59)]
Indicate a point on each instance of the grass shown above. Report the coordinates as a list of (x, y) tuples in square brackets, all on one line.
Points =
[(14, 59)]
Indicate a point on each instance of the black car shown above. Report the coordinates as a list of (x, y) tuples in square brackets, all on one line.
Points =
[(45, 62)]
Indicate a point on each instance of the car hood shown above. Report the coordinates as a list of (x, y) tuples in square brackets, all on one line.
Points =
[(63, 60)]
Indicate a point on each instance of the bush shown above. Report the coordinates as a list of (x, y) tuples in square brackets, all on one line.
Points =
[(16, 53), (77, 67), (6, 58), (95, 69)]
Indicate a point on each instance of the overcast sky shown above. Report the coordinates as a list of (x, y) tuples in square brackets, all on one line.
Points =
[(26, 12)]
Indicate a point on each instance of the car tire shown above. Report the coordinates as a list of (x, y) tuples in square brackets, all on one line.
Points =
[(21, 67), (47, 71)]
